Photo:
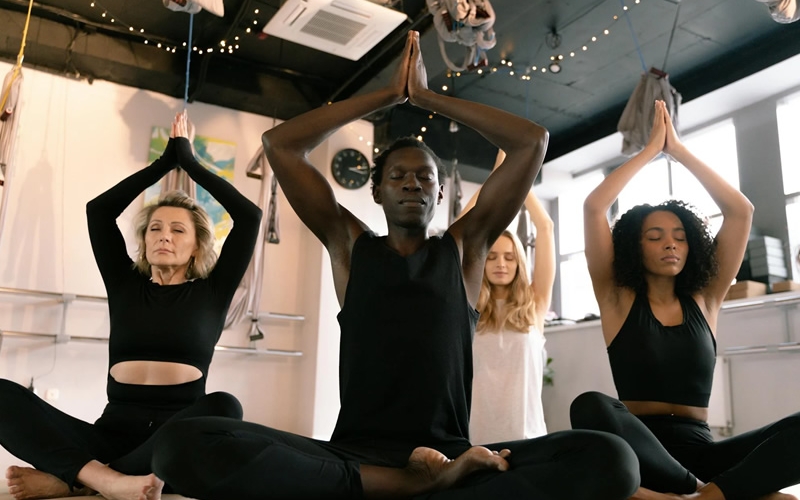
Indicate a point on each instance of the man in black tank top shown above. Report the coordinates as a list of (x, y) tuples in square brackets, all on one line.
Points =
[(407, 323)]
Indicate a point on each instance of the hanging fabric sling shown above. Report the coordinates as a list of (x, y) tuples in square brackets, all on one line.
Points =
[(247, 302), (10, 110), (782, 11), (637, 117), (468, 23), (178, 179)]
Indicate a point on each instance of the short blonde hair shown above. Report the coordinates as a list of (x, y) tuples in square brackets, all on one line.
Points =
[(203, 262)]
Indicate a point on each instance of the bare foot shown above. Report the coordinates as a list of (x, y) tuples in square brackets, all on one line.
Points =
[(133, 488), (434, 468), (25, 483), (428, 471)]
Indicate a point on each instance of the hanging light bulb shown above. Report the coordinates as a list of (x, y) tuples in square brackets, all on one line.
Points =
[(453, 126), (555, 63)]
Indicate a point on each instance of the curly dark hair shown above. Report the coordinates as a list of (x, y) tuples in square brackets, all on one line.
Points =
[(701, 262), (404, 142)]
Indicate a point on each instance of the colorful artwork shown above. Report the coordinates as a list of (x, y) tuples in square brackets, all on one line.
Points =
[(215, 155)]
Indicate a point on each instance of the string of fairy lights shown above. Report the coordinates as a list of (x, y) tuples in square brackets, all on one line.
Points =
[(223, 46), (525, 73), (506, 66)]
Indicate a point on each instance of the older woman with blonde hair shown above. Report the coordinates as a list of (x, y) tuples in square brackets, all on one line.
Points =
[(167, 310), (508, 351)]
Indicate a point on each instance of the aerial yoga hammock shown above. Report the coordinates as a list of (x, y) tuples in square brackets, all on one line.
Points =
[(10, 109), (637, 117), (269, 232), (246, 300)]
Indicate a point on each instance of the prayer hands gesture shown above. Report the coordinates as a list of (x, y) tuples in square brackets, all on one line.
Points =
[(417, 74), (410, 79), (663, 136), (180, 125)]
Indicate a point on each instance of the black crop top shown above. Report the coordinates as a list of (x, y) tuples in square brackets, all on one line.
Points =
[(174, 323), (672, 364)]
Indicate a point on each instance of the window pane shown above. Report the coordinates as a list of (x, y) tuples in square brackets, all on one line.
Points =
[(650, 185), (577, 296), (716, 147), (789, 137), (793, 220), (570, 212)]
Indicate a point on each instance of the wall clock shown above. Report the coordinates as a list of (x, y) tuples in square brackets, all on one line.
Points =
[(350, 168)]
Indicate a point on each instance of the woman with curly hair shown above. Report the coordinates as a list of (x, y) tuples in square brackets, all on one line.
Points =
[(508, 351), (660, 280), (166, 310)]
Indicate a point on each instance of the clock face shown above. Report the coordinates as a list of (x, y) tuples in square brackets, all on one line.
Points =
[(350, 168)]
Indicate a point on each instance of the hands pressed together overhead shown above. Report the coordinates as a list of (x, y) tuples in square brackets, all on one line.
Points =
[(180, 125), (410, 79), (663, 135)]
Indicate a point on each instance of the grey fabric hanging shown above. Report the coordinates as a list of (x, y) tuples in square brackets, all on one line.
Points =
[(637, 118)]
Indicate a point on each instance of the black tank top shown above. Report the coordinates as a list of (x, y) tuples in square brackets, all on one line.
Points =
[(405, 367), (672, 364)]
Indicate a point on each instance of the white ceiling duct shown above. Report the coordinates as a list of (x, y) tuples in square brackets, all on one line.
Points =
[(346, 28)]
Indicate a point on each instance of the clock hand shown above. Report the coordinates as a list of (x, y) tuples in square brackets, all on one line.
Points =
[(359, 170)]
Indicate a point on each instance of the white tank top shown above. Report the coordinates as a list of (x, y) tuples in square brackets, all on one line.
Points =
[(507, 386)]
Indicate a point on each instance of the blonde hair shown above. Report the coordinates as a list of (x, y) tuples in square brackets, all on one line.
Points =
[(203, 262), (519, 311)]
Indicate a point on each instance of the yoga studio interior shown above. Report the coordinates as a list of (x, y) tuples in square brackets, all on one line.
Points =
[(91, 87)]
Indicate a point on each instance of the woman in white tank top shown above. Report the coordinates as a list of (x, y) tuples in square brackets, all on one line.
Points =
[(508, 350)]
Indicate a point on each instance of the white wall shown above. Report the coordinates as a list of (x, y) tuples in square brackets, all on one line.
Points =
[(752, 389), (75, 141)]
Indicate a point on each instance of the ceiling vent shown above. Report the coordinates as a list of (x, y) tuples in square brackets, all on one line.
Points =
[(346, 28)]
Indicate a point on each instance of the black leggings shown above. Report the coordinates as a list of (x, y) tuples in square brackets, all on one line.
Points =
[(220, 459), (744, 467), (61, 445)]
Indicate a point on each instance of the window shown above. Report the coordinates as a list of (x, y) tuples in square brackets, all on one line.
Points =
[(577, 297), (714, 145), (649, 185), (793, 220), (659, 181), (788, 112)]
